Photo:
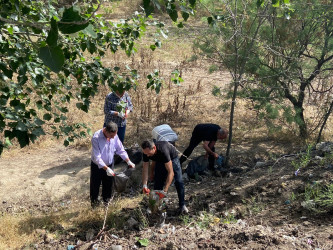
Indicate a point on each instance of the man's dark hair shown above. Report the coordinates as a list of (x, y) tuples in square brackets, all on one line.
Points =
[(111, 127), (147, 144)]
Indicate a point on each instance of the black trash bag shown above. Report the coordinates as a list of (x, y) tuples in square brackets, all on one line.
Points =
[(134, 154), (197, 165), (120, 180)]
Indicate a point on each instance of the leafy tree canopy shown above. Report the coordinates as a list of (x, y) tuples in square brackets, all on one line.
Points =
[(50, 55)]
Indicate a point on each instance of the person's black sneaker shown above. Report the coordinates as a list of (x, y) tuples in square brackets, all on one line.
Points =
[(95, 204)]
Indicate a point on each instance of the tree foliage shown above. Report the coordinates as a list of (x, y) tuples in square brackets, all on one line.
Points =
[(292, 63), (51, 55), (276, 52)]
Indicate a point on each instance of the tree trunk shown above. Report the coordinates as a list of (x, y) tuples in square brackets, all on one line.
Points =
[(303, 130), (233, 104), (325, 120)]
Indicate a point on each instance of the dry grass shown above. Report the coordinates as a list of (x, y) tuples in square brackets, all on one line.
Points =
[(21, 230)]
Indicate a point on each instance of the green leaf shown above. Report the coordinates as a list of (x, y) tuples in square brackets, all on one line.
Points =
[(38, 132), (180, 25), (53, 57), (210, 20), (66, 143), (47, 116), (21, 126), (143, 242), (90, 31), (152, 47), (276, 3), (173, 14), (148, 8), (260, 3), (22, 137), (185, 15), (192, 2), (39, 122), (71, 22), (52, 38)]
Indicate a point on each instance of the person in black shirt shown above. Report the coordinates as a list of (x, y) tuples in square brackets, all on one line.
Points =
[(164, 167), (208, 134)]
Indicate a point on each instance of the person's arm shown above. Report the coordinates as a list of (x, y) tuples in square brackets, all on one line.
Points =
[(170, 176), (206, 145), (145, 167)]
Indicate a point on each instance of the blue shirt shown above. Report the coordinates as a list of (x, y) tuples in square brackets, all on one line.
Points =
[(103, 150), (111, 106)]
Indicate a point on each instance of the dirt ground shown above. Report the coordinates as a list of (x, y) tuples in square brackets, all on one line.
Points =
[(250, 207)]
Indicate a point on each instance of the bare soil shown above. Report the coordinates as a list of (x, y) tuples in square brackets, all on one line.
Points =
[(251, 208)]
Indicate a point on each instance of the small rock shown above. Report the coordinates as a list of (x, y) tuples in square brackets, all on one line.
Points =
[(193, 246), (260, 164), (131, 223), (116, 247)]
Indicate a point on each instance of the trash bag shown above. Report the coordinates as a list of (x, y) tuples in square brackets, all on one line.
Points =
[(197, 165), (120, 180), (220, 161), (134, 154)]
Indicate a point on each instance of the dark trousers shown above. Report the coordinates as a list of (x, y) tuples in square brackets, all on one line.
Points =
[(121, 133), (194, 142), (98, 176), (161, 175)]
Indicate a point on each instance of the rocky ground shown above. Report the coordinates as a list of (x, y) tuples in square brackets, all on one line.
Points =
[(255, 205)]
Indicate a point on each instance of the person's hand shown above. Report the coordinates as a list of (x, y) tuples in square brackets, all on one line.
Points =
[(216, 155), (161, 194), (131, 164), (121, 115), (145, 189), (110, 172)]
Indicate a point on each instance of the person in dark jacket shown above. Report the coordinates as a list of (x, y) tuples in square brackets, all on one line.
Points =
[(208, 134)]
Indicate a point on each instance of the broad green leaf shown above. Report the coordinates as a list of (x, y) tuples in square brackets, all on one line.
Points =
[(152, 47), (148, 8), (173, 14), (192, 2), (90, 31), (185, 15), (52, 38), (22, 137), (53, 57), (71, 22), (39, 122), (21, 126), (38, 132), (47, 116), (143, 242)]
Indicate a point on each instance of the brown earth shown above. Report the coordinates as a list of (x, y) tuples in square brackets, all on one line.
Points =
[(251, 209)]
